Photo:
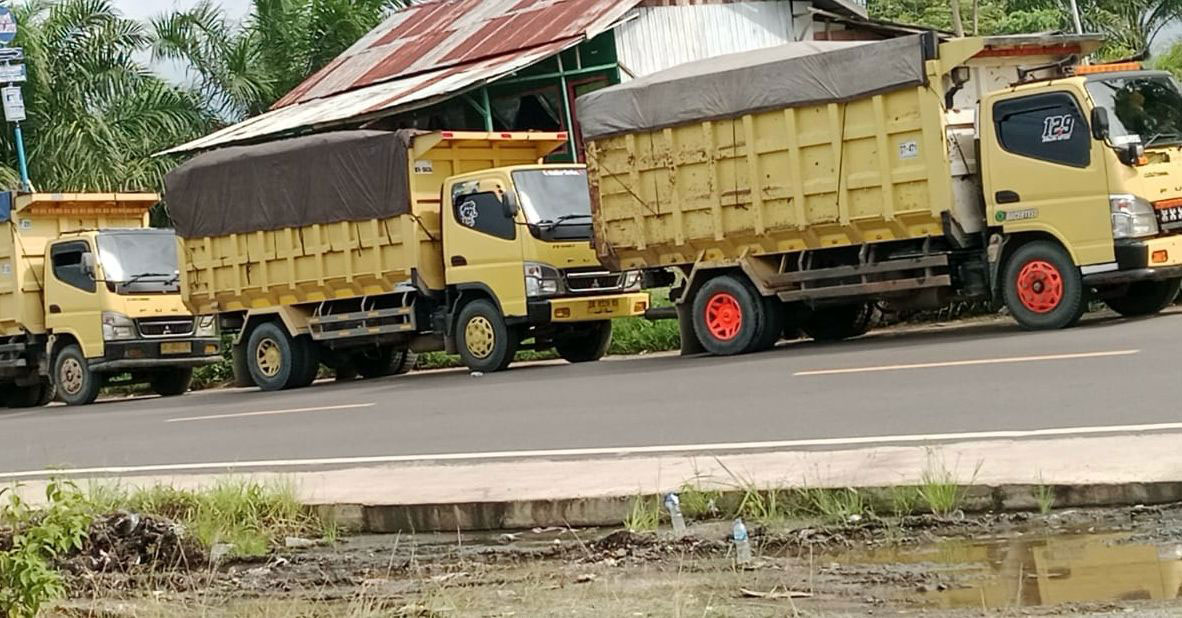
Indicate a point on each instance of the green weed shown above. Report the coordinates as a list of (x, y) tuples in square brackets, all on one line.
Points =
[(835, 506), (1044, 496), (903, 500), (697, 502), (33, 539), (939, 490), (645, 514)]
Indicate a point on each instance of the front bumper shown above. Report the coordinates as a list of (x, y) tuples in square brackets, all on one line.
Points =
[(587, 308), (1143, 260), (152, 353)]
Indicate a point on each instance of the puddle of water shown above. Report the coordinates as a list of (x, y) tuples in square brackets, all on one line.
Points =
[(1031, 570)]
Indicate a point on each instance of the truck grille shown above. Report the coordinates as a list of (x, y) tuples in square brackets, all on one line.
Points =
[(593, 281), (165, 327)]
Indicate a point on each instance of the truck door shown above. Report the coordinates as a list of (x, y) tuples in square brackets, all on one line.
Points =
[(480, 244), (71, 295), (1046, 173)]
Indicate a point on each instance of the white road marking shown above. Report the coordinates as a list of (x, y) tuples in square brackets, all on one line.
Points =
[(605, 451), (268, 413), (965, 363)]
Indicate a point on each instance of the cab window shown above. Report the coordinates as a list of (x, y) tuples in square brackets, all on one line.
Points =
[(484, 213), (69, 266), (1047, 127)]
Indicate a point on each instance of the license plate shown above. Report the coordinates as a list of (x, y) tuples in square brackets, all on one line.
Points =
[(182, 347), (1170, 216), (603, 306)]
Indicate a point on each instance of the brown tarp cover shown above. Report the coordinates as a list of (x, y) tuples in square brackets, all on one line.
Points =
[(324, 178), (790, 75)]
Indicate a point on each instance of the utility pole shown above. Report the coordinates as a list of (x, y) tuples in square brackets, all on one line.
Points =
[(13, 73), (1075, 17)]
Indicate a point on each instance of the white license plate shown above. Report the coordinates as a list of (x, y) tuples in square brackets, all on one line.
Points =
[(176, 347)]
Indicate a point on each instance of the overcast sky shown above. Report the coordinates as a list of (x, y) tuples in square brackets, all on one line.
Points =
[(141, 9)]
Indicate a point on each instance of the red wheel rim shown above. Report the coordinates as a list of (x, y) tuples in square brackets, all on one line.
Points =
[(1040, 286), (724, 317)]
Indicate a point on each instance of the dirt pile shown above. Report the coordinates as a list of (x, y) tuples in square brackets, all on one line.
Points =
[(122, 542)]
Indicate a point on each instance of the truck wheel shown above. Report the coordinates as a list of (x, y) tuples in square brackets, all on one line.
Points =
[(485, 342), (728, 316), (271, 356), (31, 396), (76, 384), (773, 326), (385, 361), (587, 345), (1043, 288), (307, 362), (839, 322), (1145, 297), (172, 382)]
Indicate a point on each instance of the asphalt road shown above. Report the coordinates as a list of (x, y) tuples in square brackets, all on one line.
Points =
[(1105, 375)]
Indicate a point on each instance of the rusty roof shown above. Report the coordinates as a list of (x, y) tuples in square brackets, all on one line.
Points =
[(448, 34)]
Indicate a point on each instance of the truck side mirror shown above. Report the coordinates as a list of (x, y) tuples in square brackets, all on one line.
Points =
[(88, 265), (509, 202), (1100, 123)]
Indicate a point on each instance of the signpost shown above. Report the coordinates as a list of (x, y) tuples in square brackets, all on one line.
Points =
[(10, 95)]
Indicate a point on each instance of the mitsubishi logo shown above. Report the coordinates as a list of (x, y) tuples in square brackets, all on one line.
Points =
[(595, 284), (167, 329)]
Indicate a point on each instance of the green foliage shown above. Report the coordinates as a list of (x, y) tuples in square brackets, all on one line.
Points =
[(645, 514), (835, 506), (27, 576)]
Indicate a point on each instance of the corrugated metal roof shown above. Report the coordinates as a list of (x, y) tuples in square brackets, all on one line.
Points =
[(371, 101), (422, 54), (446, 33)]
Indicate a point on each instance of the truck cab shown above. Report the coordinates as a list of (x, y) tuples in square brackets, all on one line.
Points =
[(89, 297), (522, 234)]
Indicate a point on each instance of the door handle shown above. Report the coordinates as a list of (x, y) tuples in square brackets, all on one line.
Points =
[(55, 309), (459, 260), (1007, 197)]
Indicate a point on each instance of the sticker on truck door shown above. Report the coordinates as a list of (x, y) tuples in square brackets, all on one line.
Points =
[(1058, 128)]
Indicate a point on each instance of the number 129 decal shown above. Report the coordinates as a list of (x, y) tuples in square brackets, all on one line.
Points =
[(1058, 128)]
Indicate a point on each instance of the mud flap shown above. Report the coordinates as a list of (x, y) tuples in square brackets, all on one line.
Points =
[(685, 326)]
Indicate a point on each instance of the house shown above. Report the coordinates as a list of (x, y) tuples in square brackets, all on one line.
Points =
[(512, 65)]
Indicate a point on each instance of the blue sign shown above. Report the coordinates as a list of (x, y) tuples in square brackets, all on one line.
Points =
[(7, 26)]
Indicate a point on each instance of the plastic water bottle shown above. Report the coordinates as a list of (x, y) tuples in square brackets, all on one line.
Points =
[(742, 544), (673, 505)]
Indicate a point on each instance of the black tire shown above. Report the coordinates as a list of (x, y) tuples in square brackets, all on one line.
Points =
[(587, 345), (1145, 297), (308, 361), (1043, 288), (773, 326), (835, 323), (497, 343), (384, 361), (76, 384), (271, 357), (172, 382), (728, 316), (29, 396)]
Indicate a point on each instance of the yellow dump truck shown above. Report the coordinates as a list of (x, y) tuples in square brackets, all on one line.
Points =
[(89, 295), (357, 249), (799, 187)]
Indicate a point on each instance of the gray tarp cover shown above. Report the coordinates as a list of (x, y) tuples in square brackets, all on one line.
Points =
[(325, 178), (789, 75)]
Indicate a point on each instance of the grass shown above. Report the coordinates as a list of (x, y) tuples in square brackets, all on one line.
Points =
[(1044, 496), (251, 516), (645, 514), (697, 503), (939, 490), (835, 506)]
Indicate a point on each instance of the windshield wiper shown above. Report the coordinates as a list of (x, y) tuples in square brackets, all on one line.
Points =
[(560, 220), (1170, 134), (172, 277)]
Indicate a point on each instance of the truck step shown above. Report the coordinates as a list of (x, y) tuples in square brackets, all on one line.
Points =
[(363, 324)]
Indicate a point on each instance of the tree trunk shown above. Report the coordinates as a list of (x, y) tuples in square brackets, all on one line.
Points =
[(976, 17), (957, 24)]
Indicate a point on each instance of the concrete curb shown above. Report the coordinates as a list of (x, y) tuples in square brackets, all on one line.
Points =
[(613, 510)]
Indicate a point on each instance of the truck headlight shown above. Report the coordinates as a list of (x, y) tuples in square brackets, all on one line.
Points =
[(117, 326), (633, 280), (541, 279), (1132, 217), (207, 326)]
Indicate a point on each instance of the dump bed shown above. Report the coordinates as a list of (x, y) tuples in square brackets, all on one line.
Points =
[(335, 215), (29, 222), (804, 146)]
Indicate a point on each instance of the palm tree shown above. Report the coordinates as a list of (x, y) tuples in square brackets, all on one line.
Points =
[(239, 71), (95, 114)]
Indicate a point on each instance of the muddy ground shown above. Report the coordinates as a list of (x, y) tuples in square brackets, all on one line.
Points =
[(1095, 562)]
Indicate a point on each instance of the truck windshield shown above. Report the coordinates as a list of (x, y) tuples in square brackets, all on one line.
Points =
[(1148, 107), (138, 255), (554, 196)]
